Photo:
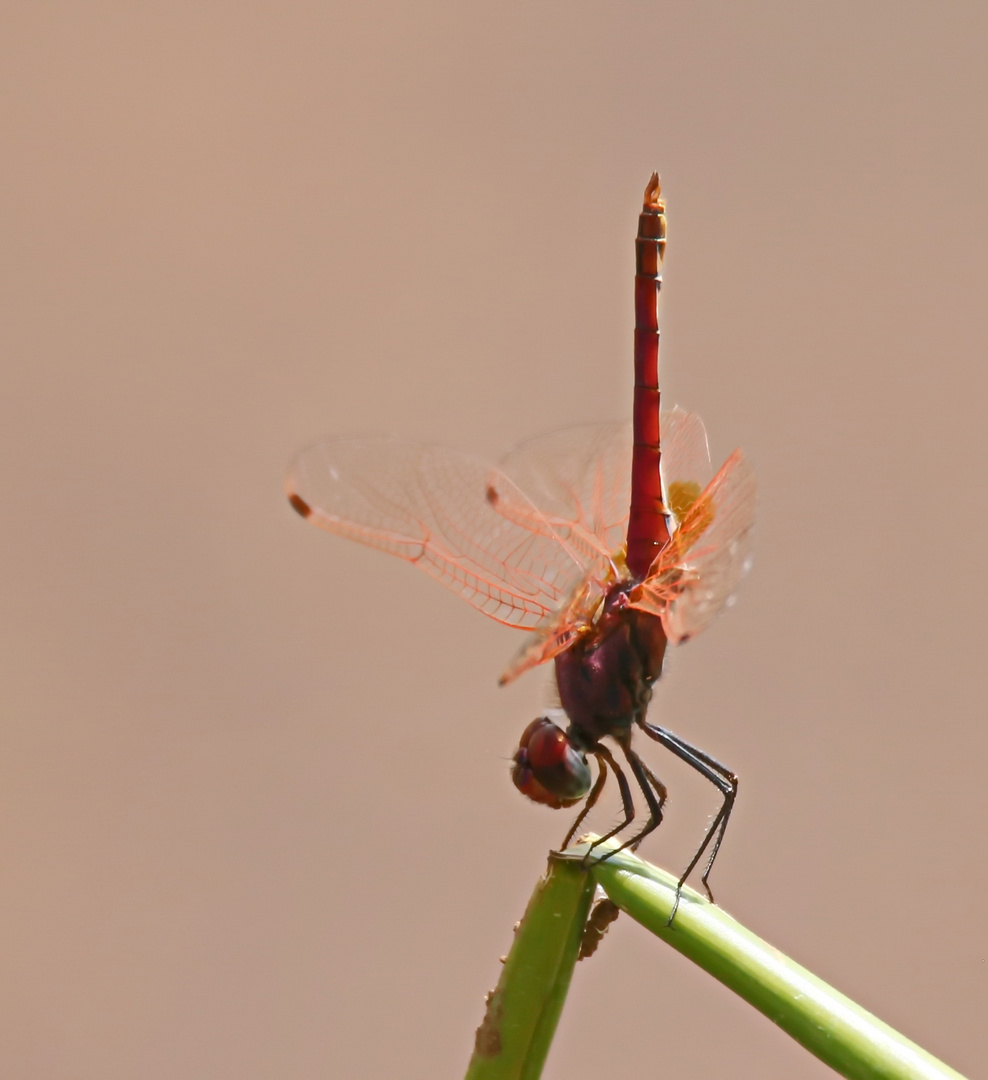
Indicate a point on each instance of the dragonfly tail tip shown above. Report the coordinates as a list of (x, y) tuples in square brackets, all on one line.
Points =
[(653, 193)]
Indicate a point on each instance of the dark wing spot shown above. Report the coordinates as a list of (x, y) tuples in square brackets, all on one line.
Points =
[(492, 495), (299, 505)]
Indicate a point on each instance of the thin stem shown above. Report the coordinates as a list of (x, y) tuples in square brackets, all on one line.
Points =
[(839, 1032), (523, 1011)]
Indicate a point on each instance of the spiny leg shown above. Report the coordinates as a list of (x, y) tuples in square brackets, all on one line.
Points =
[(655, 798), (627, 802), (721, 777), (591, 801), (663, 793)]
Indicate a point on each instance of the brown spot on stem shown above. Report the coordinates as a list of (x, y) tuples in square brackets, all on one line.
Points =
[(488, 1041), (604, 913)]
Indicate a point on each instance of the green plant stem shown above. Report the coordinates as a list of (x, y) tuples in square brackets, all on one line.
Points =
[(523, 1010), (845, 1036)]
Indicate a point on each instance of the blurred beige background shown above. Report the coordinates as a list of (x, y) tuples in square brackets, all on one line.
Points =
[(255, 817)]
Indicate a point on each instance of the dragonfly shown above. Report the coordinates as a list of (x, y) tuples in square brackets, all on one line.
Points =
[(606, 542)]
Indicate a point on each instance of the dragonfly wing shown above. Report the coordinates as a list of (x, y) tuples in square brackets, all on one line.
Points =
[(699, 572), (560, 630), (438, 509), (685, 462), (541, 645), (580, 479)]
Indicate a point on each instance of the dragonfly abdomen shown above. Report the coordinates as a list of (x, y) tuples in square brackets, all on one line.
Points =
[(648, 531)]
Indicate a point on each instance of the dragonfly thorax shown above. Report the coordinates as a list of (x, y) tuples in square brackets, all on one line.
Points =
[(605, 684), (605, 678)]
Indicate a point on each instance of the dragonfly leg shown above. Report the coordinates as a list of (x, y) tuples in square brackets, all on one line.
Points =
[(591, 801), (601, 752), (655, 795), (663, 794), (722, 778)]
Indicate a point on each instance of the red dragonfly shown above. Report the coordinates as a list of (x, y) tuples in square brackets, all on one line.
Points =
[(605, 541)]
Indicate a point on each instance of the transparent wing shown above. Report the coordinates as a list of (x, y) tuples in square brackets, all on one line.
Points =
[(439, 509), (698, 573), (557, 633), (580, 477), (685, 462)]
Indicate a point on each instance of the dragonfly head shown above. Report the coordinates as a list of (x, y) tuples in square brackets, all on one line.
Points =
[(548, 768)]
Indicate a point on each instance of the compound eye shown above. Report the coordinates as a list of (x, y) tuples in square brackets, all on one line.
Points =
[(548, 768)]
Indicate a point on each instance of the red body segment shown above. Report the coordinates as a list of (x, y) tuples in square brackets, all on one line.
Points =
[(648, 531)]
